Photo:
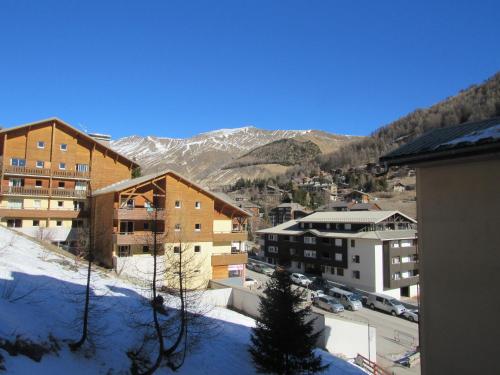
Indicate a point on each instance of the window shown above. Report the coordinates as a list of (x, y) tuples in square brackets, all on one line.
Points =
[(62, 166), (325, 255), (177, 204), (291, 238), (37, 204), (325, 240), (145, 225), (60, 204), (406, 243), (197, 248), (16, 182), (63, 147), (145, 249), (36, 223), (310, 253), (197, 205), (292, 251), (347, 226), (38, 183), (78, 205), (15, 204), (310, 240), (302, 225), (406, 259), (356, 274), (353, 243), (338, 242), (61, 185), (299, 265), (82, 167), (124, 251), (40, 164), (14, 223), (272, 237), (177, 227), (355, 258), (197, 227), (77, 224), (310, 225), (396, 276), (177, 249), (332, 270), (272, 249), (80, 185), (338, 257), (327, 225), (59, 223), (395, 243), (396, 260), (16, 162), (40, 144), (340, 271)]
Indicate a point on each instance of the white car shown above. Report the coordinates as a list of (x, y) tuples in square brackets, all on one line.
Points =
[(250, 282), (411, 315), (300, 279)]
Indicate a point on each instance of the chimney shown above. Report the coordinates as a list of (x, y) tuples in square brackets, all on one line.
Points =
[(102, 138)]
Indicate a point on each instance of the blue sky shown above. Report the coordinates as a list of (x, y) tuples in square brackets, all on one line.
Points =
[(177, 68)]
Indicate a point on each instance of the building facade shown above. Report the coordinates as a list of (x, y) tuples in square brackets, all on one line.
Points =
[(287, 211), (375, 251), (459, 245), (208, 231), (48, 171)]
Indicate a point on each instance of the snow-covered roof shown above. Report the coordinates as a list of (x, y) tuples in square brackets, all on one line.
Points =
[(354, 217)]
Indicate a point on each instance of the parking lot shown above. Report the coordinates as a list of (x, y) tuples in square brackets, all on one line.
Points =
[(395, 335)]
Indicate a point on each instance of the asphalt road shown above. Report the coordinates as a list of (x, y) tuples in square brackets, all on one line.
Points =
[(395, 335)]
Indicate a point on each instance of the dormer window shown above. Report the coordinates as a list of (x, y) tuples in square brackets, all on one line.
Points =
[(40, 144)]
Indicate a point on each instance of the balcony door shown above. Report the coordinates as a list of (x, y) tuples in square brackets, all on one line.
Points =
[(126, 227), (16, 182)]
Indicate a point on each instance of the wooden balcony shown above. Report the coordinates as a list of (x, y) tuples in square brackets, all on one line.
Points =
[(42, 214), (230, 236), (42, 192), (229, 259), (137, 238), (138, 213), (45, 172)]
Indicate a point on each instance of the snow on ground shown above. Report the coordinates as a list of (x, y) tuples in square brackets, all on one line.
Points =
[(41, 295)]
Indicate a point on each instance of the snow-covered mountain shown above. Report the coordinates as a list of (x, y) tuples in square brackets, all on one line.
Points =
[(202, 157)]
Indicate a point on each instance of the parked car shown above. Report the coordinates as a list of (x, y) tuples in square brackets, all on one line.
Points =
[(263, 269), (411, 315), (250, 282), (348, 299), (251, 266), (300, 279), (318, 283), (385, 303), (316, 293), (328, 303)]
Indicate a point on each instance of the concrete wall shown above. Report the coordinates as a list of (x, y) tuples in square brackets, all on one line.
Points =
[(350, 338), (458, 209), (339, 336)]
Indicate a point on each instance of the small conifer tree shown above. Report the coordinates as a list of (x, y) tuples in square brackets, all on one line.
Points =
[(282, 341)]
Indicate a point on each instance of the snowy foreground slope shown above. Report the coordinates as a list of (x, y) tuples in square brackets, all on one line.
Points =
[(40, 297)]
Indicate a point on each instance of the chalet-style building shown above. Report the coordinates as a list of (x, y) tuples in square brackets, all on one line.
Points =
[(357, 196), (459, 246), (211, 231), (287, 211), (48, 171), (375, 251)]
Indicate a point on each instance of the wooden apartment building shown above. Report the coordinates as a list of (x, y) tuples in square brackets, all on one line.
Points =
[(48, 171), (189, 219)]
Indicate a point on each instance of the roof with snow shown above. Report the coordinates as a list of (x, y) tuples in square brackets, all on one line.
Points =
[(359, 217), (469, 139)]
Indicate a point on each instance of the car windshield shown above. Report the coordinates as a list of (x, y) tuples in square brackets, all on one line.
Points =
[(394, 302), (353, 297)]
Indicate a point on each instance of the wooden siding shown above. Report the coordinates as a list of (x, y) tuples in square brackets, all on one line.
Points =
[(42, 214), (220, 272), (227, 259), (102, 228)]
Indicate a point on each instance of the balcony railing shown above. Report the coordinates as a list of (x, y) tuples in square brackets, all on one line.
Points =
[(226, 259), (32, 213), (230, 236), (137, 238), (138, 213), (42, 192), (33, 171)]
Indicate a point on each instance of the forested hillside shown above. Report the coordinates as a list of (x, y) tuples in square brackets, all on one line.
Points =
[(478, 102), (284, 152)]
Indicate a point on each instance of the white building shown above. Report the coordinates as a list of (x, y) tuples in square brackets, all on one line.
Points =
[(375, 251)]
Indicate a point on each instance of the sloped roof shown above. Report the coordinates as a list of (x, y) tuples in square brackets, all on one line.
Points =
[(61, 122), (292, 228), (467, 139), (126, 184), (358, 217)]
